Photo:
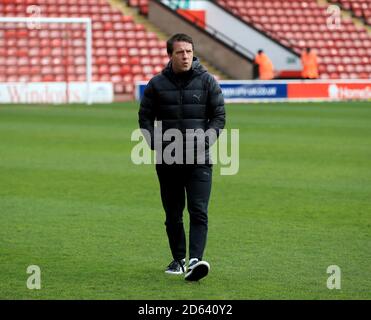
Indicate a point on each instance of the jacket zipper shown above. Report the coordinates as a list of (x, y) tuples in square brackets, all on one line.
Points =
[(181, 102)]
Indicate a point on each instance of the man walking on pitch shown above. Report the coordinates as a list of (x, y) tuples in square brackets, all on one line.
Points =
[(184, 96)]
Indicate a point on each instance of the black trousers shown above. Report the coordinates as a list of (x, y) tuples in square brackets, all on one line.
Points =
[(179, 183)]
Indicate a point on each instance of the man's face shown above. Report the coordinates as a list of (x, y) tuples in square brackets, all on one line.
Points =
[(182, 56)]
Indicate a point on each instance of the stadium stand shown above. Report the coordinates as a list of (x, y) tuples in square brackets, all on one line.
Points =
[(123, 51), (142, 5), (343, 54), (359, 8)]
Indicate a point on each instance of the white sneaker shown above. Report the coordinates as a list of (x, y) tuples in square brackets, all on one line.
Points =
[(197, 270)]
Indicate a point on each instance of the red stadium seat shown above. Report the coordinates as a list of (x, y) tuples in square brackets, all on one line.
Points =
[(118, 43), (298, 24)]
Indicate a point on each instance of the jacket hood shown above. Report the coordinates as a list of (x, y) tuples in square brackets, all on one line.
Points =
[(197, 68)]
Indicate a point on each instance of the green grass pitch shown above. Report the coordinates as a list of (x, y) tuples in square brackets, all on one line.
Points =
[(73, 203)]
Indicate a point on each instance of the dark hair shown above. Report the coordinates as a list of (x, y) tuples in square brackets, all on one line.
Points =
[(260, 51), (179, 37)]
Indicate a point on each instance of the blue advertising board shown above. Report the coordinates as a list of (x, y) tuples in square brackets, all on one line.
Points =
[(242, 91), (257, 90)]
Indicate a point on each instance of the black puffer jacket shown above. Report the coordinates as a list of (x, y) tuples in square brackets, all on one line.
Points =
[(191, 100)]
